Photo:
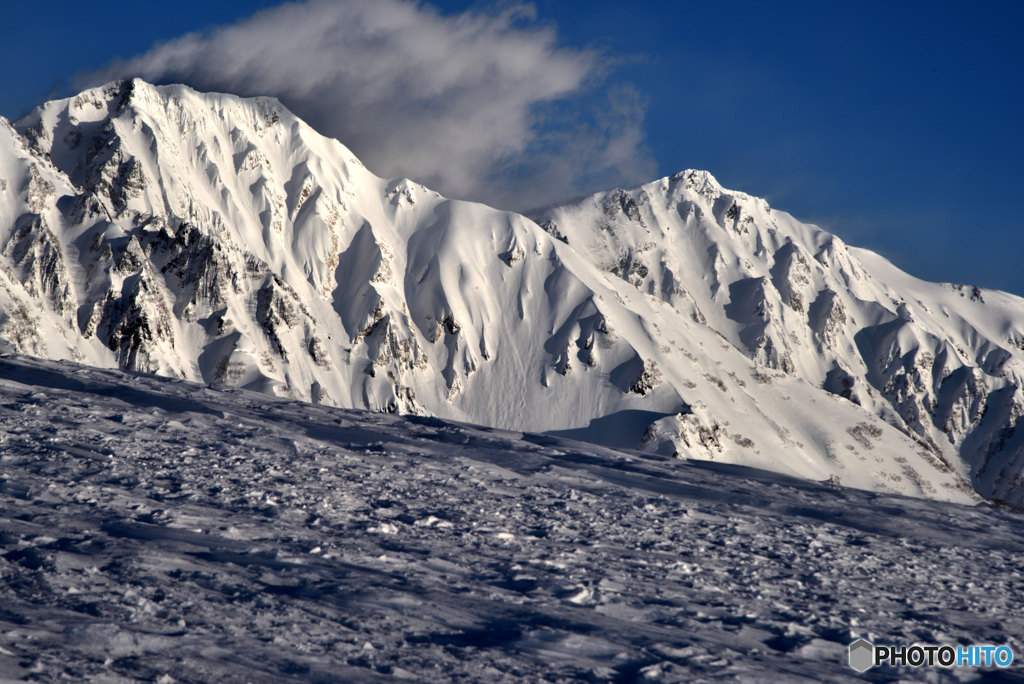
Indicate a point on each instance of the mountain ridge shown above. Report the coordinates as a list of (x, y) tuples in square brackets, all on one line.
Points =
[(221, 239)]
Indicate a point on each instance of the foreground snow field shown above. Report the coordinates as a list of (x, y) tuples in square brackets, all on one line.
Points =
[(162, 531)]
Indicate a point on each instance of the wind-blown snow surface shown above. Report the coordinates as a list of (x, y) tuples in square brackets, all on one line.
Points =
[(222, 240), (157, 530)]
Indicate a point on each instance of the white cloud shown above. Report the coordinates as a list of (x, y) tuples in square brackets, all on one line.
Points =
[(479, 106)]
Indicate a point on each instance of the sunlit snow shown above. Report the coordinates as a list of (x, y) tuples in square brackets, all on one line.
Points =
[(222, 240)]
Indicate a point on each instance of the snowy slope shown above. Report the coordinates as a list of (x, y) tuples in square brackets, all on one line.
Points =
[(155, 530), (222, 240), (942, 363)]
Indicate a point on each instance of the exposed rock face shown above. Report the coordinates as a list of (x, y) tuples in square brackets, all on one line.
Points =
[(35, 257), (222, 240)]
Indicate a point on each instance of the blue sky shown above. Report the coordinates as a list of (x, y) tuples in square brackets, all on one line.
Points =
[(899, 129)]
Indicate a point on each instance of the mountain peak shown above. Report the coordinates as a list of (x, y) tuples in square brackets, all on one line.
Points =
[(222, 240), (697, 180)]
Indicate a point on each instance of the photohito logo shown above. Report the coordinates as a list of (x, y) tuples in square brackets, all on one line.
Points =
[(864, 654)]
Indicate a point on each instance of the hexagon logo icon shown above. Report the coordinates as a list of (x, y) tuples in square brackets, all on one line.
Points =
[(862, 655)]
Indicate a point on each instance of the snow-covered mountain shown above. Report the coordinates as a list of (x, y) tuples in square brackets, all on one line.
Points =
[(222, 240)]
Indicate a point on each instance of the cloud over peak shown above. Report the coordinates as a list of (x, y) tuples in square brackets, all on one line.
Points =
[(479, 106)]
